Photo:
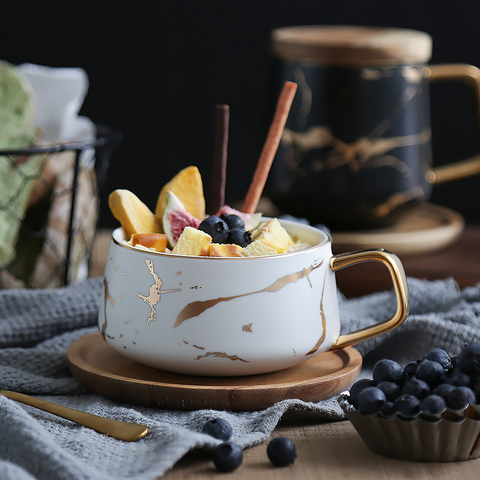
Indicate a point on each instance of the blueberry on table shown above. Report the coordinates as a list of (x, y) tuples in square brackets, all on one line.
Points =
[(219, 429), (358, 387), (216, 228), (406, 404), (433, 405), (227, 457), (469, 359), (371, 400), (460, 397), (431, 372), (417, 388), (387, 370), (233, 221), (281, 451), (441, 356), (390, 389)]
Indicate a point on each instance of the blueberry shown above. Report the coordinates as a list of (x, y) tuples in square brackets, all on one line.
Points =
[(455, 361), (443, 390), (358, 387), (409, 370), (390, 389), (388, 409), (416, 387), (227, 457), (458, 378), (441, 356), (407, 405), (216, 228), (430, 372), (459, 398), (281, 451), (233, 221), (433, 405), (218, 428), (370, 400), (469, 359), (239, 236), (387, 370)]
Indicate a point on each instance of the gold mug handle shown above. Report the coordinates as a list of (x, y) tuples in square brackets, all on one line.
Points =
[(471, 75), (399, 279)]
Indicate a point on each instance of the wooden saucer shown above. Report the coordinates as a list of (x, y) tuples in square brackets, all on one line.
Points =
[(106, 372), (423, 229)]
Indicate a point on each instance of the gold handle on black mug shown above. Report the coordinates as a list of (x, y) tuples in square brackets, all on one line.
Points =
[(470, 75), (399, 280)]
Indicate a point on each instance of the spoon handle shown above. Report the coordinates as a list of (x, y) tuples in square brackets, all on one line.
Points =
[(114, 428)]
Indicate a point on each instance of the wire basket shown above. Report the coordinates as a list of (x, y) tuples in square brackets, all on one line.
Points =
[(49, 207)]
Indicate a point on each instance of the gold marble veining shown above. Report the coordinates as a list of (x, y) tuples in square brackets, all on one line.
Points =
[(324, 321), (196, 308), (247, 328), (107, 297), (222, 355), (154, 293)]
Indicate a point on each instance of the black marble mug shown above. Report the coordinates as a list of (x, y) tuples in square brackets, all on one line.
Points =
[(356, 149)]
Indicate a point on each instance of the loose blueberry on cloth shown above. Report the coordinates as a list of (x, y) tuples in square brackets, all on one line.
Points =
[(37, 326)]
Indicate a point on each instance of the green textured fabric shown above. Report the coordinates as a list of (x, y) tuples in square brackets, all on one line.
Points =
[(17, 175)]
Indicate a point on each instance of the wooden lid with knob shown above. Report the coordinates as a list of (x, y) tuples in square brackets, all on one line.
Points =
[(353, 46)]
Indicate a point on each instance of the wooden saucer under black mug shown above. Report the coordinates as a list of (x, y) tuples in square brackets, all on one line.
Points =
[(356, 148)]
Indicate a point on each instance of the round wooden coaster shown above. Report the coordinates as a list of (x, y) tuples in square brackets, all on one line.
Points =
[(106, 372), (423, 229)]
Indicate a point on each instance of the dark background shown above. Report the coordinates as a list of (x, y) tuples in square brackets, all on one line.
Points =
[(157, 69)]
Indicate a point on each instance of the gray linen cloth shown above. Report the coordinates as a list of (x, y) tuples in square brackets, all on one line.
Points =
[(37, 326)]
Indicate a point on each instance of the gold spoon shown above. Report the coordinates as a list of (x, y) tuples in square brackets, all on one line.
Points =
[(114, 428)]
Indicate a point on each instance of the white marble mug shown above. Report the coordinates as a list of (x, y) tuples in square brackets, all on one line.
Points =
[(233, 316)]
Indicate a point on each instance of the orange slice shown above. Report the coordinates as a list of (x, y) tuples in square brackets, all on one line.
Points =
[(187, 185), (132, 213)]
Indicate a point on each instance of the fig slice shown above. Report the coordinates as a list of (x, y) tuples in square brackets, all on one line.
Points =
[(176, 218)]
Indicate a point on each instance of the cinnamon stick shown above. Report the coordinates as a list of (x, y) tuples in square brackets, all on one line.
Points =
[(270, 147), (217, 195)]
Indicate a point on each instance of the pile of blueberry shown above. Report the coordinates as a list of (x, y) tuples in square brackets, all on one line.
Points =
[(430, 385), (228, 456), (226, 229)]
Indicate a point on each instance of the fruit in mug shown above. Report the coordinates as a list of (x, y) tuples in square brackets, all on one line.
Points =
[(187, 185), (155, 241), (176, 218), (239, 236), (218, 428), (132, 213), (274, 232), (261, 247), (225, 250), (193, 242), (216, 228), (281, 451), (233, 221), (227, 457), (251, 220)]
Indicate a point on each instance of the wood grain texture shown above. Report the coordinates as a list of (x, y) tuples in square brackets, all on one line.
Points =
[(108, 373)]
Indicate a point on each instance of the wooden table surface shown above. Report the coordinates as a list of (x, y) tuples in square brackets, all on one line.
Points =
[(334, 450)]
